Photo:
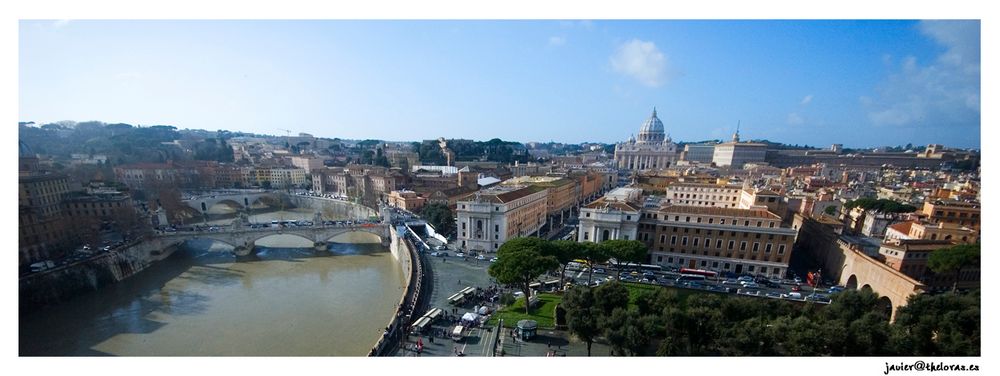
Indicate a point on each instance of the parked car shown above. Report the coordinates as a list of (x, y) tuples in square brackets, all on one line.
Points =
[(480, 257), (440, 247), (730, 282), (796, 288), (599, 270), (745, 278), (751, 285), (493, 259), (460, 254), (792, 295)]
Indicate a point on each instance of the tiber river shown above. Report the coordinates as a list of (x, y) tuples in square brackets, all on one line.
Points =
[(202, 302)]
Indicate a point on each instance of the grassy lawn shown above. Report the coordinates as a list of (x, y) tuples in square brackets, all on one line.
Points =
[(544, 313), (634, 289)]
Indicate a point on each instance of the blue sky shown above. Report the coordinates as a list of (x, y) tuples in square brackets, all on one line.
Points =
[(860, 83)]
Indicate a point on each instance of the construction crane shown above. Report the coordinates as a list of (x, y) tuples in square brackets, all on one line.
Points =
[(288, 133)]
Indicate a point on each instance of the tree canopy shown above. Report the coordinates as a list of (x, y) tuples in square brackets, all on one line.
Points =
[(953, 259), (440, 217), (624, 251), (881, 205), (519, 262)]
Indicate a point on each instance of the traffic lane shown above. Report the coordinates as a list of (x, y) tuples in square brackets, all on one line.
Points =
[(580, 277)]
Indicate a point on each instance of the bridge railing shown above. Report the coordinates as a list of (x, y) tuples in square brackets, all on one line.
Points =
[(270, 228)]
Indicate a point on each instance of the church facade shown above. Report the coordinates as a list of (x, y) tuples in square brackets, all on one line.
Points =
[(652, 150)]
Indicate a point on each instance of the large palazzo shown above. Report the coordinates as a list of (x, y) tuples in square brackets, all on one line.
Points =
[(652, 150)]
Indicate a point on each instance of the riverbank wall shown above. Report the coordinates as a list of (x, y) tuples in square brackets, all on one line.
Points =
[(413, 298), (332, 209), (59, 284)]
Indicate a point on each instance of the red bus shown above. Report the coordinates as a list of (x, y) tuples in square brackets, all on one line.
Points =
[(706, 273)]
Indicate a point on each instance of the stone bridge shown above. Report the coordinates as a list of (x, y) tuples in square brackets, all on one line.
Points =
[(243, 238), (235, 199), (852, 268)]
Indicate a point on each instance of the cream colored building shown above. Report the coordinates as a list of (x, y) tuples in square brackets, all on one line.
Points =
[(696, 194), (612, 217), (491, 216), (741, 241), (406, 200), (653, 149), (735, 153)]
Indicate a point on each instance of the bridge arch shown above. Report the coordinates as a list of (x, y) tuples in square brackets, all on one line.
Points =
[(371, 235), (216, 208), (885, 305), (208, 238), (272, 234), (852, 283)]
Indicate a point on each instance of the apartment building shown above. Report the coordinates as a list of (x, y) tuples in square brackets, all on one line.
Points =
[(491, 216)]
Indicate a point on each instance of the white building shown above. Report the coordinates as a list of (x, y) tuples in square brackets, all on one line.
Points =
[(702, 153), (491, 216), (653, 149), (735, 153), (694, 194), (612, 217)]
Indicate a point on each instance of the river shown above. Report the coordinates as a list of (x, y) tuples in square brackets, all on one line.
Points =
[(201, 301)]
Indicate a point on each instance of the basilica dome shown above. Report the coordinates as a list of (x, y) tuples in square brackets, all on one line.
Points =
[(652, 129)]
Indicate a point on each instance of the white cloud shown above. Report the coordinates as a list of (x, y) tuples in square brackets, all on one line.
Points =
[(945, 91), (806, 100), (795, 119), (556, 41), (642, 61), (58, 24)]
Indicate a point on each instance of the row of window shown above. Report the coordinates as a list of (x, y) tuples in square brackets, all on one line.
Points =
[(704, 264), (719, 242), (711, 220), (697, 231)]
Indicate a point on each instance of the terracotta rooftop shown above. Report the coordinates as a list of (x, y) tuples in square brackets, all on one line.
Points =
[(903, 227)]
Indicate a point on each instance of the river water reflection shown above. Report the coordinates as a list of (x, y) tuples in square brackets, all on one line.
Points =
[(291, 301)]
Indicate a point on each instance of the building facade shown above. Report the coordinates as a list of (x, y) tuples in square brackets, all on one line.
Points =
[(406, 200), (652, 150), (490, 217), (701, 153), (612, 217), (735, 153), (740, 241), (707, 195)]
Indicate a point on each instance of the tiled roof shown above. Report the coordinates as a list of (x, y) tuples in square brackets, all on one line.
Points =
[(726, 212)]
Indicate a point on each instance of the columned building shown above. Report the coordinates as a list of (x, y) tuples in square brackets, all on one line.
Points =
[(653, 150)]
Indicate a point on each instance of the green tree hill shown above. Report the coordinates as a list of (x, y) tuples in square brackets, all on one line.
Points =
[(519, 262), (440, 217), (624, 251), (953, 259)]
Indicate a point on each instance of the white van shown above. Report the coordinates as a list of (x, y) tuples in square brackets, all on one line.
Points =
[(792, 295), (458, 333)]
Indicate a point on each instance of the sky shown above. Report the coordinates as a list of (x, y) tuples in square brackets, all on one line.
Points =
[(858, 83)]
